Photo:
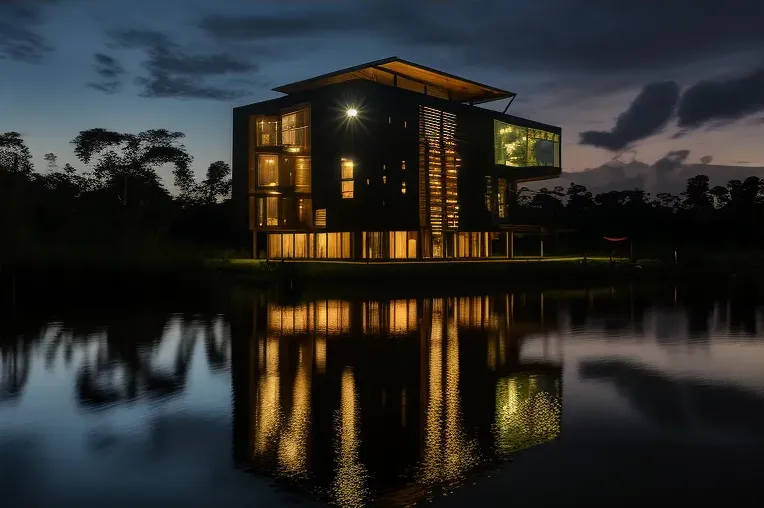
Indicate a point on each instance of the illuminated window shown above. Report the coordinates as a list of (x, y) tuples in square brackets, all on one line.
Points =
[(488, 194), (405, 124), (267, 170), (403, 187), (390, 119), (402, 244), (267, 131), (272, 211), (294, 129), (347, 169), (403, 165), (321, 218), (502, 197), (304, 210), (302, 174), (384, 179), (521, 146), (261, 212)]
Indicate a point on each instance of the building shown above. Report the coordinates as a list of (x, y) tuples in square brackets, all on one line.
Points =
[(388, 160)]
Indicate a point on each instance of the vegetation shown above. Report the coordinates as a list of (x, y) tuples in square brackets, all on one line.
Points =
[(114, 222), (718, 221)]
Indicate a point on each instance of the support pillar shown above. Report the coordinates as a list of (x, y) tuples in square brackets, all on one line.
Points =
[(511, 245), (542, 247), (506, 240)]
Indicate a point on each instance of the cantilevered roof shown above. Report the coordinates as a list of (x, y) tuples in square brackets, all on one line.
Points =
[(387, 70)]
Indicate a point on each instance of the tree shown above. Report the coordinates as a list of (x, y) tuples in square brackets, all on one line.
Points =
[(697, 196), (134, 158), (720, 195), (14, 154), (217, 183)]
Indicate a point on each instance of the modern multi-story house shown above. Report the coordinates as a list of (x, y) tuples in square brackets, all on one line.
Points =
[(388, 160)]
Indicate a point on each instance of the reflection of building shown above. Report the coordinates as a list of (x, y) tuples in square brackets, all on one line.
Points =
[(388, 399), (386, 160)]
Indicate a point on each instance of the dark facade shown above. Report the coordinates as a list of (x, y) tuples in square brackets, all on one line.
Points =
[(388, 160)]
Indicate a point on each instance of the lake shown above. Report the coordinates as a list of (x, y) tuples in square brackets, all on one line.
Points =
[(607, 396)]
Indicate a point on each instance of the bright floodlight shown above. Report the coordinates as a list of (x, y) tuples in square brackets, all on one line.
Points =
[(352, 113)]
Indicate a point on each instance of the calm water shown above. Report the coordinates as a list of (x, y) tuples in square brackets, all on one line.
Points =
[(607, 396)]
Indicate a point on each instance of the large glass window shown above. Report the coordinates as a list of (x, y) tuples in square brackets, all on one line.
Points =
[(522, 147), (294, 129), (348, 168), (402, 244), (272, 211), (302, 174), (267, 170), (267, 131)]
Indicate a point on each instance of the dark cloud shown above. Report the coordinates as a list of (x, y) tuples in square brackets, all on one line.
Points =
[(648, 114), (20, 26), (722, 100), (706, 159), (161, 84), (109, 72), (571, 36), (671, 161), (171, 71)]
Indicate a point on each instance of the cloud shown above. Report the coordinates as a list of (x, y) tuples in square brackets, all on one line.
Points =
[(722, 100), (110, 72), (647, 115), (671, 161), (171, 71), (20, 37), (706, 159), (545, 35)]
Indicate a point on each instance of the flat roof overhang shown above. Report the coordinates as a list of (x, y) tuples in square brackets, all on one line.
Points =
[(387, 70)]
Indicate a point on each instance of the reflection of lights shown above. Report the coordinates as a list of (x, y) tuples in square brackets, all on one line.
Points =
[(349, 483), (293, 452), (526, 413), (351, 112), (448, 453), (320, 355)]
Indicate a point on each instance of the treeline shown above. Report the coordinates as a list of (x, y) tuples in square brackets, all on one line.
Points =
[(702, 218), (117, 206)]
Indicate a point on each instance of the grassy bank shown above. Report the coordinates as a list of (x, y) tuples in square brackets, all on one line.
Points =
[(145, 274)]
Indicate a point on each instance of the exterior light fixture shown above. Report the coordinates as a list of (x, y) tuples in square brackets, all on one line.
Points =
[(352, 112)]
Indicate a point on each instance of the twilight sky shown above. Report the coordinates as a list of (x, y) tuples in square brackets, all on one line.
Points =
[(646, 77)]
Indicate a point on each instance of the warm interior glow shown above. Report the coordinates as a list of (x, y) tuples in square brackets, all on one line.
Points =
[(352, 112)]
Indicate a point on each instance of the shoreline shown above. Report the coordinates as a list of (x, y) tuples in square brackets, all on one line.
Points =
[(29, 285)]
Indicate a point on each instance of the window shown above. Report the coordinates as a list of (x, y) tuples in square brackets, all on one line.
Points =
[(521, 146), (372, 246), (488, 194), (267, 131), (321, 218), (502, 197), (348, 168), (403, 187), (403, 244), (302, 170), (261, 212), (403, 165), (294, 129), (304, 210), (272, 211), (267, 170), (384, 179)]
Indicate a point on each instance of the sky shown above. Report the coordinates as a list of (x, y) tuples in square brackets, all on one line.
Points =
[(636, 78)]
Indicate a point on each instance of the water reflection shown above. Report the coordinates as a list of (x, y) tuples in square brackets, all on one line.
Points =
[(361, 401), (364, 401)]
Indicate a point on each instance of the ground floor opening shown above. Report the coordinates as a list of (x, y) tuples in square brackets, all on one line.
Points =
[(371, 246)]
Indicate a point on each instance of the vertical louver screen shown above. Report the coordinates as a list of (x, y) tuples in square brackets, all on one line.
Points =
[(438, 170)]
